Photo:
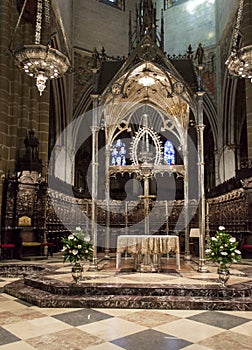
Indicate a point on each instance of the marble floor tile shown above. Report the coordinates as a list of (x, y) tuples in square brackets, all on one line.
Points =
[(218, 319), (82, 317), (7, 337), (147, 277), (3, 297), (7, 317), (189, 330), (245, 329), (36, 327), (149, 318), (112, 328), (149, 340), (228, 340), (65, 340), (9, 305)]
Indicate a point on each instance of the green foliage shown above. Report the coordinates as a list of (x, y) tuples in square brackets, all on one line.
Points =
[(222, 248), (76, 247)]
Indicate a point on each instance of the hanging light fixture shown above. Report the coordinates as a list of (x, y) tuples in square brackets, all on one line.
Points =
[(39, 61), (146, 79), (239, 62)]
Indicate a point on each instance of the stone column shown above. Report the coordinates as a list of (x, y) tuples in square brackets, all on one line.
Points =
[(216, 163), (247, 30), (107, 197), (8, 101), (187, 255), (95, 130), (202, 226)]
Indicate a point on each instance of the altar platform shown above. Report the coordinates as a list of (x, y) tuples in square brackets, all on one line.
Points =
[(49, 284)]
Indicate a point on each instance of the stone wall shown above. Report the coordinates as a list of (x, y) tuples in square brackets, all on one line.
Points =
[(21, 107), (97, 24), (66, 14), (188, 23), (225, 10)]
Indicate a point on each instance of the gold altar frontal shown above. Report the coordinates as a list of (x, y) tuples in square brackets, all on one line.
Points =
[(147, 250)]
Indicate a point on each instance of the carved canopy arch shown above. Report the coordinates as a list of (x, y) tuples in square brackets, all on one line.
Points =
[(146, 84)]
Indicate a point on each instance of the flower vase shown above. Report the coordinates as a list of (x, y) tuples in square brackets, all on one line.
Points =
[(224, 275), (77, 270)]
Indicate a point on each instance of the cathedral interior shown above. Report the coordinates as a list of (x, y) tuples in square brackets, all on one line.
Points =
[(125, 118), (128, 122), (152, 108)]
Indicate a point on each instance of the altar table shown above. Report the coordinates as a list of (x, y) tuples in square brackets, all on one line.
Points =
[(146, 245)]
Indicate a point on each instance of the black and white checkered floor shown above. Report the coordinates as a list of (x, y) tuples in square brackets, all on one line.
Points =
[(26, 327)]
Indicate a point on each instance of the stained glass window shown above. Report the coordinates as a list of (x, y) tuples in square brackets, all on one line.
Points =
[(118, 153), (169, 153)]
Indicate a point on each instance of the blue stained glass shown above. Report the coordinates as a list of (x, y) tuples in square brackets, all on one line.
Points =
[(169, 153), (118, 153)]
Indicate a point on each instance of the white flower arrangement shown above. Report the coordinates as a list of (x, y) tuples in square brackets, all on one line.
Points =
[(222, 248), (77, 246)]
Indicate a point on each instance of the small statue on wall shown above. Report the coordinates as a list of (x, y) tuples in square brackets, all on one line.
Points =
[(30, 161), (31, 144), (199, 54), (190, 51)]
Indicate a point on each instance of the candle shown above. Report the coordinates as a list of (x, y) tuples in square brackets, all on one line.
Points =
[(207, 209)]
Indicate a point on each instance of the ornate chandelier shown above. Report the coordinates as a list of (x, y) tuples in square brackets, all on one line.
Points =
[(39, 61), (239, 62)]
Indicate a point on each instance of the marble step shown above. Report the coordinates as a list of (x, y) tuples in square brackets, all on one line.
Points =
[(201, 291), (44, 298)]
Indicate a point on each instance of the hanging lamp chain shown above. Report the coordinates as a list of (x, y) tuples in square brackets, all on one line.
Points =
[(38, 22), (42, 10)]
